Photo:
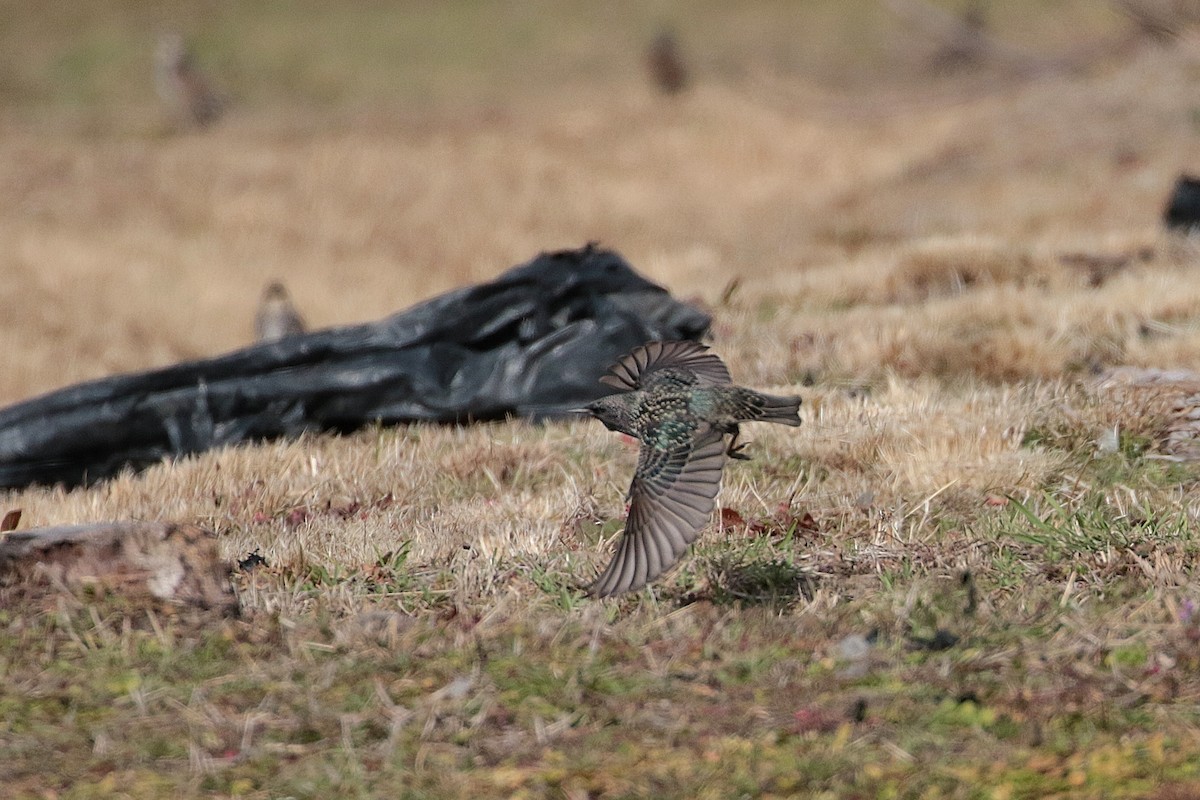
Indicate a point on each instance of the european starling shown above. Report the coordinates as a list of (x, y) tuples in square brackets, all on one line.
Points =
[(181, 84), (665, 62), (277, 318), (678, 400)]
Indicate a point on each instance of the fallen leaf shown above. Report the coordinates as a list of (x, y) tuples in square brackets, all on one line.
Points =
[(732, 519), (10, 521), (814, 720)]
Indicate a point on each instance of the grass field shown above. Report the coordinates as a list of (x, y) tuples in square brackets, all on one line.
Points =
[(970, 573)]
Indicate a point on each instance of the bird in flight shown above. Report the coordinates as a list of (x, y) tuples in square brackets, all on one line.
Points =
[(678, 401)]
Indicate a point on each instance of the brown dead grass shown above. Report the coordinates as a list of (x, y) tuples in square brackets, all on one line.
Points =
[(128, 250), (946, 267), (481, 508)]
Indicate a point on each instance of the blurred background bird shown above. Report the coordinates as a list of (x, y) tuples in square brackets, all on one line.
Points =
[(183, 88), (277, 318), (666, 65)]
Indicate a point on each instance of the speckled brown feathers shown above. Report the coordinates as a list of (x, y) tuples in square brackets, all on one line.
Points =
[(638, 366), (679, 402)]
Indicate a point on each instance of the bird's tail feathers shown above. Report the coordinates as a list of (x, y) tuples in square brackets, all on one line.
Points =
[(781, 409)]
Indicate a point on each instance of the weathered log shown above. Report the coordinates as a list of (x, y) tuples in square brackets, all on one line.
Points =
[(177, 563)]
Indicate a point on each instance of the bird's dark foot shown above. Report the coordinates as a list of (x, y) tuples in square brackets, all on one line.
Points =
[(734, 450)]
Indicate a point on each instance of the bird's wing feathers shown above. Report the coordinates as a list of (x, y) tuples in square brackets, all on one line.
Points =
[(671, 500), (631, 370)]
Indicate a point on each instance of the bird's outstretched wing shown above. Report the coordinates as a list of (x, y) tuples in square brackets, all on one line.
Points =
[(631, 370), (670, 501)]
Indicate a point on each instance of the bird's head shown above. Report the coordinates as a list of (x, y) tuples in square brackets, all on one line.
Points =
[(275, 290), (613, 411)]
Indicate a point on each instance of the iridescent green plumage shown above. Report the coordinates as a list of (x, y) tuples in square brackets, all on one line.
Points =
[(680, 403)]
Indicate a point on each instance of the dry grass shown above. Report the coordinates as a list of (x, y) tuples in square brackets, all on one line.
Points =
[(939, 266)]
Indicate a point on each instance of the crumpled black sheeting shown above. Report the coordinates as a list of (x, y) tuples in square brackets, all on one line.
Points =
[(533, 343), (1183, 206)]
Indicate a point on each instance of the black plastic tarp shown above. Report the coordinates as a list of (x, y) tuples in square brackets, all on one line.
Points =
[(532, 343), (1183, 206)]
